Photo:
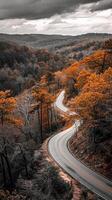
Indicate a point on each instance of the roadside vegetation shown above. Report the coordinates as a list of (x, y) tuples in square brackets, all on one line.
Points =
[(30, 81), (26, 121), (88, 85)]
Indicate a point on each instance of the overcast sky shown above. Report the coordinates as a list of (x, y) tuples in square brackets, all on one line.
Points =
[(67, 17)]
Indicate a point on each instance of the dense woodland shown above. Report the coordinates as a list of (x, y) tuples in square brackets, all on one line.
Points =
[(27, 118), (22, 67), (29, 83), (88, 85), (93, 83), (25, 122)]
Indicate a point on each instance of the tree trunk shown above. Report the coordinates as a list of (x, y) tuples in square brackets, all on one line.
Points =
[(51, 117), (2, 118), (5, 149), (55, 117), (103, 64), (9, 172), (48, 121), (3, 170), (41, 122)]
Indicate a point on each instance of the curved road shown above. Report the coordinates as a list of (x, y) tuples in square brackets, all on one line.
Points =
[(58, 149)]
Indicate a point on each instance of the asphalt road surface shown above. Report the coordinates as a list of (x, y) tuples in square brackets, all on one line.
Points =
[(58, 149)]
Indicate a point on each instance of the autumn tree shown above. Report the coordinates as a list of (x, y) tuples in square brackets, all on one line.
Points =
[(99, 61), (82, 78), (107, 111), (7, 106), (44, 100), (48, 80), (71, 74), (91, 105), (59, 79)]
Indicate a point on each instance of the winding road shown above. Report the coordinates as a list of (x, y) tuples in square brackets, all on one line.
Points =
[(58, 150)]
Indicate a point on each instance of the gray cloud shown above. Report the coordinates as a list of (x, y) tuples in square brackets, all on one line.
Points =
[(36, 9), (79, 22), (102, 5)]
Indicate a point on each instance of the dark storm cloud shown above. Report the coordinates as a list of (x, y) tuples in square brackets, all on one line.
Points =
[(35, 9), (102, 5)]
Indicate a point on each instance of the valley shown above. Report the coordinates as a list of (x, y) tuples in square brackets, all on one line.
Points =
[(34, 71)]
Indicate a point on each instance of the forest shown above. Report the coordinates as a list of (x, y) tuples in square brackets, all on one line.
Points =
[(30, 81), (22, 67), (88, 86)]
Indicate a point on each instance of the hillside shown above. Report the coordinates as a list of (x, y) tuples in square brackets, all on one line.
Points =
[(88, 85), (70, 46), (21, 66), (30, 81)]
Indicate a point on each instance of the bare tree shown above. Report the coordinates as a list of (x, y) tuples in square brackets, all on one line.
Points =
[(24, 109)]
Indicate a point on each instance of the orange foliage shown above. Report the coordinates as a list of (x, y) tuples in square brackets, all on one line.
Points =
[(73, 71), (95, 83), (85, 103), (42, 96), (98, 61), (96, 92), (44, 103), (108, 75), (7, 103), (60, 77), (93, 80), (82, 78), (7, 106)]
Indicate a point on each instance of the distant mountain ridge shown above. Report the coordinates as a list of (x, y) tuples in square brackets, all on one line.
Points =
[(52, 42)]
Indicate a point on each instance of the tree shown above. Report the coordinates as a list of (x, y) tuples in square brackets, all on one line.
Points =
[(108, 75), (7, 105), (24, 109), (59, 79), (107, 111), (43, 98), (49, 77), (9, 152), (71, 74), (72, 71), (98, 61), (82, 78), (92, 104), (108, 45)]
